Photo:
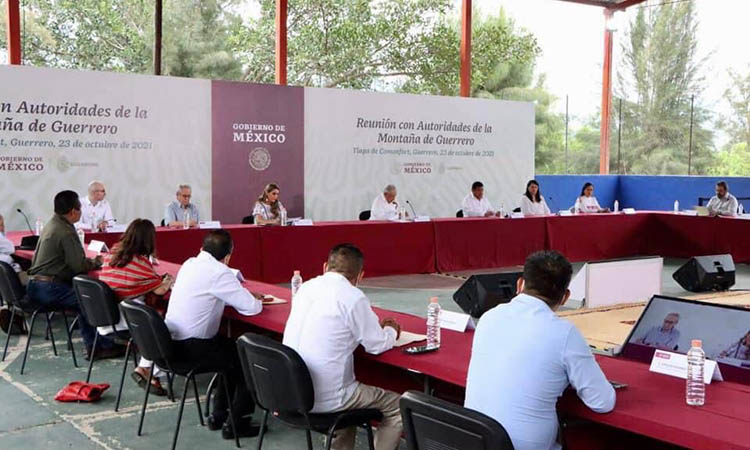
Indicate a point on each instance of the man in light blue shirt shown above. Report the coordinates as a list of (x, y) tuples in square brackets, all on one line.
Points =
[(524, 356), (174, 214)]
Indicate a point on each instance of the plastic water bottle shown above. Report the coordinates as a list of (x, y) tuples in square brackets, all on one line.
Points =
[(676, 206), (617, 206), (92, 221), (186, 219), (296, 282), (695, 392), (433, 323), (577, 208), (81, 237), (39, 227), (502, 210), (741, 209), (282, 217)]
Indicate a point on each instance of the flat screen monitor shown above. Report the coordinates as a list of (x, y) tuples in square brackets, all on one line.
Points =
[(670, 324)]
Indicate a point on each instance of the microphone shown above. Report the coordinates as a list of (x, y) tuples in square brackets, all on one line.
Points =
[(412, 208), (27, 220)]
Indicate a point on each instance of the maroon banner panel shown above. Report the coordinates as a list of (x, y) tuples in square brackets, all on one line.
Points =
[(258, 138)]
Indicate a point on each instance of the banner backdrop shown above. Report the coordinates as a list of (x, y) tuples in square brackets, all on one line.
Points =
[(431, 148), (140, 135), (258, 138)]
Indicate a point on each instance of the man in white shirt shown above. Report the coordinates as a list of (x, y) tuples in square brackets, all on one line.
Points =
[(666, 336), (96, 213), (524, 356), (385, 206), (204, 286), (174, 213), (723, 203), (475, 204), (330, 318), (6, 247)]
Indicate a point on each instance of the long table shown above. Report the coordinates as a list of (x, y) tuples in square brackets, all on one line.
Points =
[(653, 405), (271, 254)]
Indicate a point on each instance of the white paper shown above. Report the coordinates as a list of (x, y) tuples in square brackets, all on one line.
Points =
[(690, 212), (237, 274), (629, 211), (564, 212), (276, 300), (117, 228), (675, 365), (454, 321), (407, 338), (303, 223), (422, 219), (98, 246), (209, 225), (516, 215)]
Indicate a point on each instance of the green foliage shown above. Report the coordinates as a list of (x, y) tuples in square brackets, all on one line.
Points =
[(659, 77), (737, 125), (733, 161)]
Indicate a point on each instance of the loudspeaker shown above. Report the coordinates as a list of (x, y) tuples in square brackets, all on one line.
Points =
[(706, 273), (480, 293)]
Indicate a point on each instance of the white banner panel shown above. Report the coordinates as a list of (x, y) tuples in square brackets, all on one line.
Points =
[(141, 135), (432, 148)]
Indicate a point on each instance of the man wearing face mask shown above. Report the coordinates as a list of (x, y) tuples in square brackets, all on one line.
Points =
[(330, 318), (204, 286)]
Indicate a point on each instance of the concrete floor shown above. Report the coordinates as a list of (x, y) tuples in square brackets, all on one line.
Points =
[(31, 419)]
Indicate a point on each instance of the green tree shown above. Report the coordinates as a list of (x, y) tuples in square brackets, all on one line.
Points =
[(737, 125), (659, 76)]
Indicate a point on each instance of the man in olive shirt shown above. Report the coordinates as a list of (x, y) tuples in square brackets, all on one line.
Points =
[(59, 256)]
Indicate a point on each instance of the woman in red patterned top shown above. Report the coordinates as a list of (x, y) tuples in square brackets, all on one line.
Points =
[(129, 272)]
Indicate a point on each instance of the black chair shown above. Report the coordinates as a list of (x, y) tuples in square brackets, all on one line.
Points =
[(99, 303), (150, 334), (365, 215), (431, 423), (460, 213), (162, 223), (14, 294), (248, 220), (282, 385)]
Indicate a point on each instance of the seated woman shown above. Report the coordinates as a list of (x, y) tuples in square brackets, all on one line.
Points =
[(532, 202), (129, 272), (267, 210), (586, 202)]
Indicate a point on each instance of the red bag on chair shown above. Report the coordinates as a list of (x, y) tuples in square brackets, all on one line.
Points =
[(80, 391)]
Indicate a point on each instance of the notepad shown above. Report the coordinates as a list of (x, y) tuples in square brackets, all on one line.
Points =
[(407, 338)]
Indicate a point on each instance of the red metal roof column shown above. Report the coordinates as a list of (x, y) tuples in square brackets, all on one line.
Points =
[(281, 41), (606, 95), (465, 90), (14, 32)]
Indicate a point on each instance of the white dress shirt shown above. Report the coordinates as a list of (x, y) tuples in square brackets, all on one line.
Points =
[(726, 206), (101, 211), (330, 318), (202, 288), (587, 204), (523, 358), (382, 210), (475, 208), (657, 337), (529, 208), (6, 249), (264, 210)]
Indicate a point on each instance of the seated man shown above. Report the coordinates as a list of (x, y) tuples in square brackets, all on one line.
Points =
[(204, 286), (7, 248), (385, 206), (96, 213), (524, 356), (174, 214), (330, 318), (475, 204), (59, 256), (666, 336), (723, 203)]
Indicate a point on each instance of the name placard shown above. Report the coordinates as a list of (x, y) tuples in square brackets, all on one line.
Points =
[(455, 321), (209, 225), (675, 365), (98, 246)]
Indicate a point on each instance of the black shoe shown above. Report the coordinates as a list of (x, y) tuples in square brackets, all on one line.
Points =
[(244, 429), (106, 353), (216, 421)]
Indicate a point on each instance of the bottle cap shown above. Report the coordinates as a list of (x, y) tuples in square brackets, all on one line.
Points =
[(433, 299), (696, 343), (296, 272)]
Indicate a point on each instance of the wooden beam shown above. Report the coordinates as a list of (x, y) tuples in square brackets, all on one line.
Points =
[(281, 41), (465, 87), (157, 36), (13, 26), (606, 96)]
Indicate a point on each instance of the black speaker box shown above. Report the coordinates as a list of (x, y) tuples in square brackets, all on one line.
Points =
[(481, 293), (706, 273)]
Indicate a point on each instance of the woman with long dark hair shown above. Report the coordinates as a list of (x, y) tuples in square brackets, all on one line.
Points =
[(267, 210), (131, 275), (532, 202), (586, 202)]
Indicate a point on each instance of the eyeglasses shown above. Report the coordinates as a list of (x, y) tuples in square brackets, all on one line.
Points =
[(185, 196), (670, 322)]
